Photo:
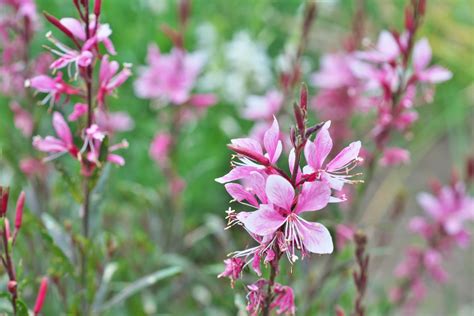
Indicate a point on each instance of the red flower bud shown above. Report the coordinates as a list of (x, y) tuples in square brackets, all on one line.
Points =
[(41, 296), (6, 227), (184, 8), (4, 191), (97, 7), (421, 7), (470, 169), (53, 20), (20, 203), (409, 20)]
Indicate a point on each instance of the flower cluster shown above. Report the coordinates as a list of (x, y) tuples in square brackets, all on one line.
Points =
[(171, 79), (8, 241), (447, 210), (396, 70), (280, 199), (95, 123)]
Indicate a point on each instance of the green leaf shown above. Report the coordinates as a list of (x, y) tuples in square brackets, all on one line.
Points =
[(21, 308), (139, 285)]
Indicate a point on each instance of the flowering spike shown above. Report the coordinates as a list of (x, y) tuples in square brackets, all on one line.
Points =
[(4, 192), (19, 210), (41, 296)]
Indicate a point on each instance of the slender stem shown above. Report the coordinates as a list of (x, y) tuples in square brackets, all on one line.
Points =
[(86, 184), (8, 263), (271, 282)]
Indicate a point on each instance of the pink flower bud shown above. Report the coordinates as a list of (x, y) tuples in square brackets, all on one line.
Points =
[(3, 200), (97, 7), (41, 296), (304, 97), (20, 203), (7, 228)]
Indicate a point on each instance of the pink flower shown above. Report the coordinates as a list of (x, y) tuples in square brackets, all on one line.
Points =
[(110, 79), (57, 146), (335, 172), (394, 156), (284, 300), (251, 156), (263, 107), (23, 119), (80, 109), (233, 268), (112, 122), (450, 208), (159, 148), (54, 87), (386, 50), (256, 297), (281, 211), (421, 59), (171, 77)]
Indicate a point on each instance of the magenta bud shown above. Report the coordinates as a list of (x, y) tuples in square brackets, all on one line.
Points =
[(97, 7), (20, 203), (299, 117), (304, 96), (6, 227), (4, 192), (252, 155), (41, 296), (53, 20)]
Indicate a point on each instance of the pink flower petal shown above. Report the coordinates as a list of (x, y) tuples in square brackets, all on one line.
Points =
[(346, 155), (435, 74), (262, 222), (279, 191), (317, 153), (61, 128), (248, 144), (203, 100), (272, 142), (239, 193), (314, 196), (421, 54), (75, 27), (316, 237), (236, 173)]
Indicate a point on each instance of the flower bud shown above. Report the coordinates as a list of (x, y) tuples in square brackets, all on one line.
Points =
[(304, 96), (6, 227), (11, 285), (53, 20), (19, 210), (97, 7), (299, 117), (41, 296), (4, 191)]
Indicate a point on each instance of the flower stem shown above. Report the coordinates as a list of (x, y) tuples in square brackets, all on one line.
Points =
[(271, 282)]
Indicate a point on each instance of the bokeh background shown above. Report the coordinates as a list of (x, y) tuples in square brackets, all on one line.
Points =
[(243, 41)]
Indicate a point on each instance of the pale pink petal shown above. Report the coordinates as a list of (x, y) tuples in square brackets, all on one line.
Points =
[(387, 45), (435, 74), (346, 155), (239, 193), (279, 191), (75, 27), (49, 144), (394, 156), (116, 159), (314, 196), (316, 237), (236, 173), (322, 147), (421, 55), (272, 142), (61, 128), (42, 83), (430, 204), (248, 144), (264, 221)]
